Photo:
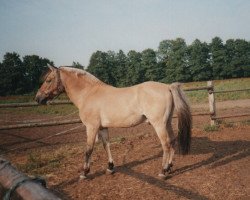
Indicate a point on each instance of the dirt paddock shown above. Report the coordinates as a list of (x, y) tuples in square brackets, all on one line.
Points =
[(218, 166)]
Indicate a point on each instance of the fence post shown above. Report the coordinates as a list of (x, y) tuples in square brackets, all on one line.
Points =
[(211, 101)]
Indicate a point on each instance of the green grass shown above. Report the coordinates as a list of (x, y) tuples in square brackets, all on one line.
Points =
[(220, 85), (16, 99), (211, 128), (246, 122), (24, 98), (41, 110), (41, 163), (193, 96), (51, 109), (62, 109)]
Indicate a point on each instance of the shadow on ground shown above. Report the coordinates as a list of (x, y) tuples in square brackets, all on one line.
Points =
[(223, 152)]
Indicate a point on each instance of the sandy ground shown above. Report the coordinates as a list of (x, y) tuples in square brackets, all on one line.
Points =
[(217, 167)]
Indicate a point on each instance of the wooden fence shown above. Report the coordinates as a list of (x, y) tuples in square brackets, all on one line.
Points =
[(20, 186), (211, 100)]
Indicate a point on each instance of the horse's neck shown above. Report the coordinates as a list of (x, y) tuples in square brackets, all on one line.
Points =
[(76, 87)]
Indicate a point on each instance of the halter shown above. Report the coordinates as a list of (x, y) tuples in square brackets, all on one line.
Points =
[(60, 86)]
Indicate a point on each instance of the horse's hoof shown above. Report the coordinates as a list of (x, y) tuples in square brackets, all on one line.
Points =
[(83, 177), (169, 169), (110, 171), (162, 176)]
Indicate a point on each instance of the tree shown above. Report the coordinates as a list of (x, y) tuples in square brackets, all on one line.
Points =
[(218, 58), (12, 77), (3, 81), (198, 61), (35, 66), (77, 65), (237, 58), (99, 66), (120, 69), (149, 65), (164, 50), (134, 72), (177, 68)]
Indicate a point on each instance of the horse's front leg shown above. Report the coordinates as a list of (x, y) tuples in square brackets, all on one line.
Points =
[(91, 136), (105, 140)]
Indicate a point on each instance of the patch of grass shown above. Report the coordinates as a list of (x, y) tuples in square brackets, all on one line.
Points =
[(25, 98), (197, 96), (229, 125), (220, 85), (118, 139), (41, 110), (246, 122), (211, 128), (54, 109), (16, 99), (226, 124), (41, 163), (194, 96)]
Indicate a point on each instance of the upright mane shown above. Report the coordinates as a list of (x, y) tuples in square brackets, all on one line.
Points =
[(80, 72)]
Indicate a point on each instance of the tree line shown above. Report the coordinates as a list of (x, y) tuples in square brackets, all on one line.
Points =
[(22, 76), (174, 60)]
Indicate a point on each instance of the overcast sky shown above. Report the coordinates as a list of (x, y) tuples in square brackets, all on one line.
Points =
[(71, 30)]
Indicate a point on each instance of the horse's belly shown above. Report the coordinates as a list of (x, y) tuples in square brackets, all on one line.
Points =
[(123, 121)]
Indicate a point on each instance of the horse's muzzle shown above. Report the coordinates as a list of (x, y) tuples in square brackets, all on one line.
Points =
[(41, 100)]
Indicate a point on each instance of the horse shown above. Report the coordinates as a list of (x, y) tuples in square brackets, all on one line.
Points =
[(102, 106)]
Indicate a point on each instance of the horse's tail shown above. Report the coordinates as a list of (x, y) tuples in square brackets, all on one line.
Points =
[(184, 118)]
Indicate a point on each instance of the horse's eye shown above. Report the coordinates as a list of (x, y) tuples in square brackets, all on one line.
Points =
[(48, 81)]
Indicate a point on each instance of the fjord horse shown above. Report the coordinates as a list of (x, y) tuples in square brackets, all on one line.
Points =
[(102, 106)]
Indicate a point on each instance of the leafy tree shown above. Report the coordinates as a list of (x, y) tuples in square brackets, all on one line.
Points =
[(198, 61), (12, 77), (34, 67), (134, 71), (237, 58), (177, 68), (100, 67), (120, 69), (218, 58), (163, 53), (173, 61), (77, 65), (3, 81), (149, 64), (164, 50)]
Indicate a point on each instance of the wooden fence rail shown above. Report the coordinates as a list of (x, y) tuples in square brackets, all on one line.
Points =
[(211, 100), (212, 104), (40, 124), (19, 186), (226, 91), (32, 104)]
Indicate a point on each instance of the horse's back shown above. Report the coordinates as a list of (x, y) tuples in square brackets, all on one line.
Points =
[(155, 98)]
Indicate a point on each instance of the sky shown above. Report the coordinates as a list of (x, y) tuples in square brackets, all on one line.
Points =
[(71, 30)]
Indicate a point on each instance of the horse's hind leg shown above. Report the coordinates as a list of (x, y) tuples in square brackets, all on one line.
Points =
[(105, 140), (162, 133), (91, 137), (172, 139)]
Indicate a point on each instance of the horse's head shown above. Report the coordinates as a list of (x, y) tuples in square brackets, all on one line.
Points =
[(51, 87)]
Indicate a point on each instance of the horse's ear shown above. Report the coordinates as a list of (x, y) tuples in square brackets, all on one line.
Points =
[(52, 68)]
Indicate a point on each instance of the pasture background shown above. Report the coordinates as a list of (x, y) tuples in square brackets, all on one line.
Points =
[(217, 168)]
